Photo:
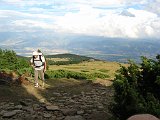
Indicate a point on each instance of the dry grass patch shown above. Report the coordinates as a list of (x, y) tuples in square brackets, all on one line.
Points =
[(58, 59), (91, 67)]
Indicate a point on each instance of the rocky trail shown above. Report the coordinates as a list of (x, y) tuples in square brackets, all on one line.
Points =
[(65, 100)]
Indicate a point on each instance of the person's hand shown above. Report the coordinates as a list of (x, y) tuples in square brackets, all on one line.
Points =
[(32, 66), (44, 70)]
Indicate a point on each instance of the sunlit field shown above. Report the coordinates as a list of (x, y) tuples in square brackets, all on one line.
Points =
[(104, 67)]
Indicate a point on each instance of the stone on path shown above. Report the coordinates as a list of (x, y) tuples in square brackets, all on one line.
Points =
[(47, 115), (77, 117), (9, 114), (143, 117), (69, 111), (52, 108)]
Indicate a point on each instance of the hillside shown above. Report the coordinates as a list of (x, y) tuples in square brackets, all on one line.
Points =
[(62, 98), (66, 59), (70, 56), (81, 91)]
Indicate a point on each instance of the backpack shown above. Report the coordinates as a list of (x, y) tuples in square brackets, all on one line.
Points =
[(40, 59)]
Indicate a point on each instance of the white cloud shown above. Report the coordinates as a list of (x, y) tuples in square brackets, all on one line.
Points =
[(22, 3), (32, 24), (11, 42), (119, 21), (111, 24), (154, 6), (12, 20)]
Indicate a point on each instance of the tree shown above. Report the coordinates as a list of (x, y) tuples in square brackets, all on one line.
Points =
[(137, 89), (10, 61)]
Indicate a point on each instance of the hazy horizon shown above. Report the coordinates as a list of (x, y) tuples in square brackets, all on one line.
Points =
[(56, 26)]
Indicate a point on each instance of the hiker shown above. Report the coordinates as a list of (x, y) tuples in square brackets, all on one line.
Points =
[(39, 64)]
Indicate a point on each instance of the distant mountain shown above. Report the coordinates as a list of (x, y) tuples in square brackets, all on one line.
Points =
[(116, 49), (72, 57), (111, 49)]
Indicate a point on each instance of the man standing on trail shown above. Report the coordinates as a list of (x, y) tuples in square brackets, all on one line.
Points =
[(39, 64)]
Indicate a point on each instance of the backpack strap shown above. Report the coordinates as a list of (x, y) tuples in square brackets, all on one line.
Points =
[(33, 60), (40, 58)]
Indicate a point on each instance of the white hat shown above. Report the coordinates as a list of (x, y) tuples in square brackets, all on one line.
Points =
[(35, 53), (39, 53)]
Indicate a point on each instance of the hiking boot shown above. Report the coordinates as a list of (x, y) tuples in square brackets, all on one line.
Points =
[(36, 85)]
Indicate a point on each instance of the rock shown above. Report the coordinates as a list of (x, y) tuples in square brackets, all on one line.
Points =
[(10, 108), (52, 108), (69, 111), (18, 107), (3, 103), (99, 116), (61, 101), (29, 100), (36, 106), (52, 98), (9, 114), (77, 117), (2, 112), (28, 109), (11, 104), (23, 103), (33, 117), (53, 118), (60, 118), (143, 117), (42, 100), (47, 115), (57, 94), (100, 107), (18, 111), (80, 112)]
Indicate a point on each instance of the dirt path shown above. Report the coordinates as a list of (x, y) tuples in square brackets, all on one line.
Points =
[(64, 99)]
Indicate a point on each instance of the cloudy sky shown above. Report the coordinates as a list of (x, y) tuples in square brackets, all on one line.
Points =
[(108, 18)]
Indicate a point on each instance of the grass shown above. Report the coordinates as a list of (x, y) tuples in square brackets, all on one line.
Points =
[(12, 93), (104, 67), (104, 70), (59, 59)]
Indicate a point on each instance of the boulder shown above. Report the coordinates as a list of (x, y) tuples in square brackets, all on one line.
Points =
[(142, 117)]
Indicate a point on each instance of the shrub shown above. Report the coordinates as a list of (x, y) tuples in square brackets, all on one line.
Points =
[(103, 70), (10, 61), (75, 75), (137, 89)]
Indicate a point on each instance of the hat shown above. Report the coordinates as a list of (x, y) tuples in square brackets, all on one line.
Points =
[(40, 53), (35, 53)]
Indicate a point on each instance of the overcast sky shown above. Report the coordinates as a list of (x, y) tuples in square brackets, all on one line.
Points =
[(108, 18)]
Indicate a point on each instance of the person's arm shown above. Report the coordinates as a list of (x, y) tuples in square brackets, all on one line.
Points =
[(31, 62), (44, 62), (45, 68)]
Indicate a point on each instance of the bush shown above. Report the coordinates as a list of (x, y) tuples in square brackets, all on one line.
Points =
[(65, 74), (137, 89), (72, 74), (10, 61)]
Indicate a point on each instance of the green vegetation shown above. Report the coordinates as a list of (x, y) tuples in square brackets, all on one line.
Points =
[(9, 61), (137, 89), (107, 68), (103, 70), (76, 75), (72, 59)]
